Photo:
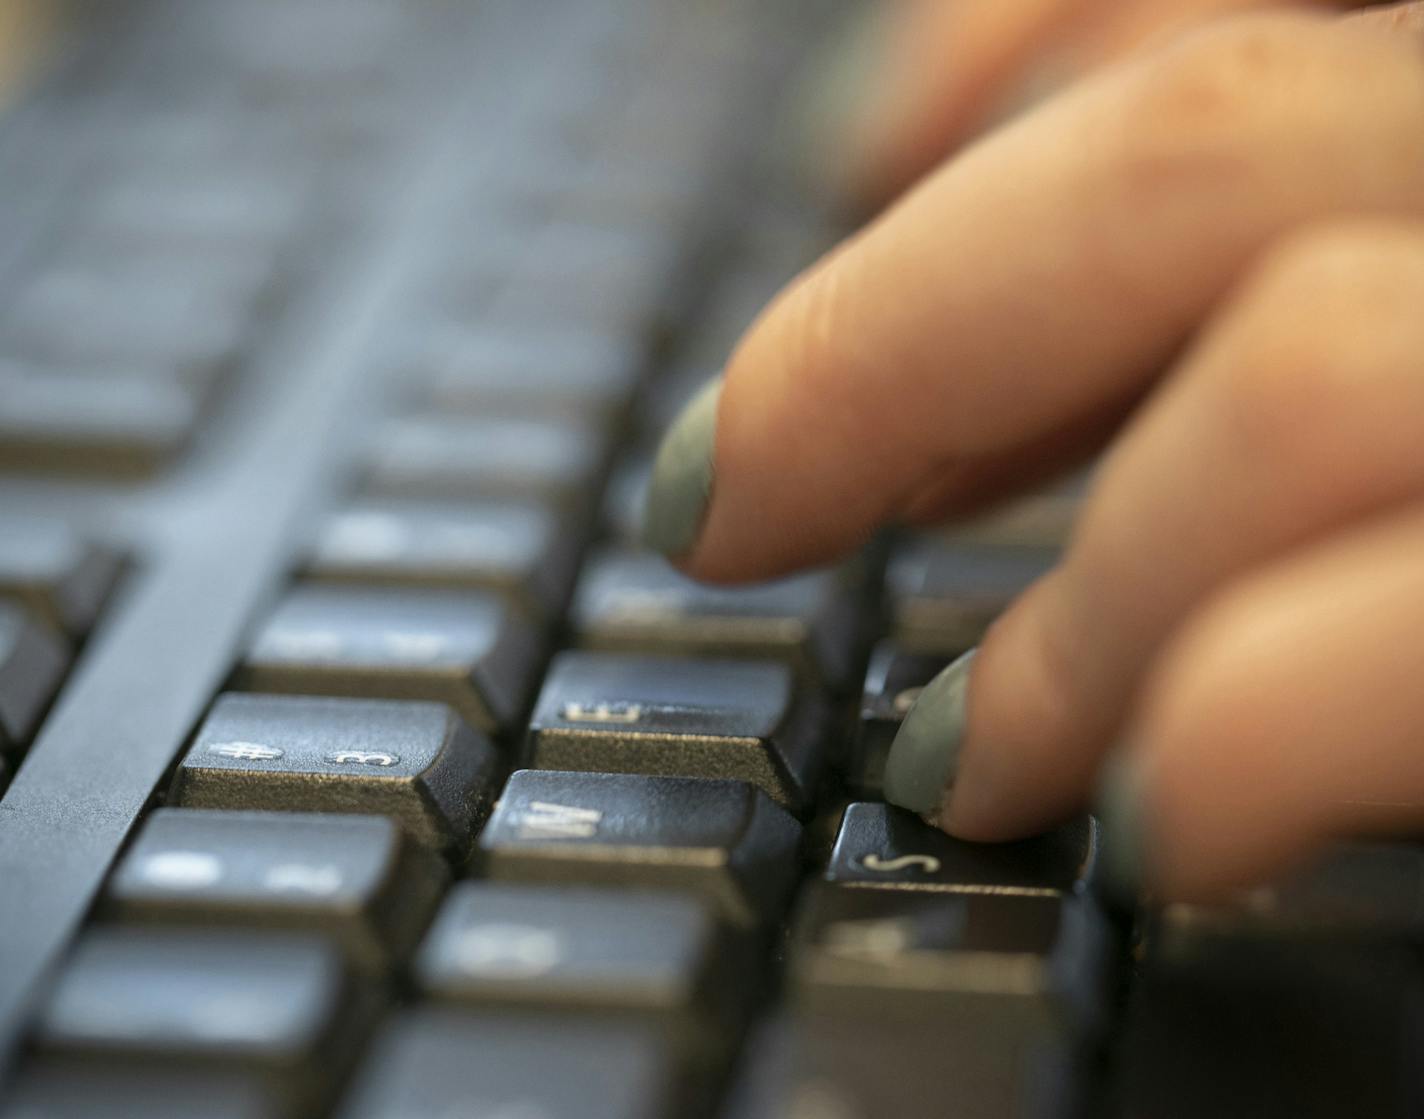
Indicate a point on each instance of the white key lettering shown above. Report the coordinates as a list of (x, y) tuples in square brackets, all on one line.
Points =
[(378, 758), (871, 940), (416, 646), (299, 878), (559, 821), (623, 713), (246, 751), (877, 865), (508, 950), (181, 870)]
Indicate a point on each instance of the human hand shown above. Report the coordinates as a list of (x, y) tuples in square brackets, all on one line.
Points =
[(924, 76), (1213, 252)]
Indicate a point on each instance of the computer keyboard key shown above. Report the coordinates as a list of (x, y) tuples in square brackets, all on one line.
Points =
[(102, 423), (61, 577), (122, 311), (943, 597), (469, 649), (883, 847), (442, 1063), (635, 602), (614, 952), (56, 1088), (623, 713), (417, 763), (33, 661), (1302, 1012), (519, 549), (724, 840), (278, 1004), (487, 457), (1036, 964), (893, 680), (872, 1069), (566, 373), (358, 879)]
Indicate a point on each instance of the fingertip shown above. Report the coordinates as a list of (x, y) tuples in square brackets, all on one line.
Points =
[(923, 758)]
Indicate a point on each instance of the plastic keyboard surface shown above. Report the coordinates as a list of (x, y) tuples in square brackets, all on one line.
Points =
[(354, 760)]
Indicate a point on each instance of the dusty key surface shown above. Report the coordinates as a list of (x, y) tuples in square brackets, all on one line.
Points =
[(723, 840), (359, 879), (519, 549), (554, 948), (636, 602), (469, 649), (417, 763), (437, 1064), (881, 846), (679, 717)]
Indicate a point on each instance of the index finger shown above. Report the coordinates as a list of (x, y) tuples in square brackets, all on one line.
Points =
[(1029, 290)]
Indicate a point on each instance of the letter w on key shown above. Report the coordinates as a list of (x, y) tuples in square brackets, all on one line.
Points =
[(602, 713), (559, 821)]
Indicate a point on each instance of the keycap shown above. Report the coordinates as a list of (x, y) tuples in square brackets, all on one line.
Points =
[(1028, 964), (414, 762), (441, 1063), (216, 206), (517, 548), (101, 312), (101, 423), (880, 846), (1312, 1012), (893, 679), (33, 662), (872, 1068), (56, 573), (358, 879), (467, 457), (622, 713), (279, 1004), (482, 371), (637, 603), (56, 1088), (606, 277), (1354, 892), (723, 840), (465, 648), (943, 597), (571, 949)]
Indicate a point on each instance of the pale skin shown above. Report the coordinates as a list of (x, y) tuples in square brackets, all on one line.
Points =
[(1207, 256)]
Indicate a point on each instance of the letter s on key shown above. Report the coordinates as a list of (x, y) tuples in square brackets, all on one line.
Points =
[(874, 863)]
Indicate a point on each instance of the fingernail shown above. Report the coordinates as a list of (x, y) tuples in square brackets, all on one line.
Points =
[(681, 483), (1120, 862), (924, 757)]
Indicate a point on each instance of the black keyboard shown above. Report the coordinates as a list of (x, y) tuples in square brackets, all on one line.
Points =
[(356, 763)]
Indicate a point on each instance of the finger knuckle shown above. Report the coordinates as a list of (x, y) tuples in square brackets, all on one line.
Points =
[(1318, 327), (1199, 112)]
